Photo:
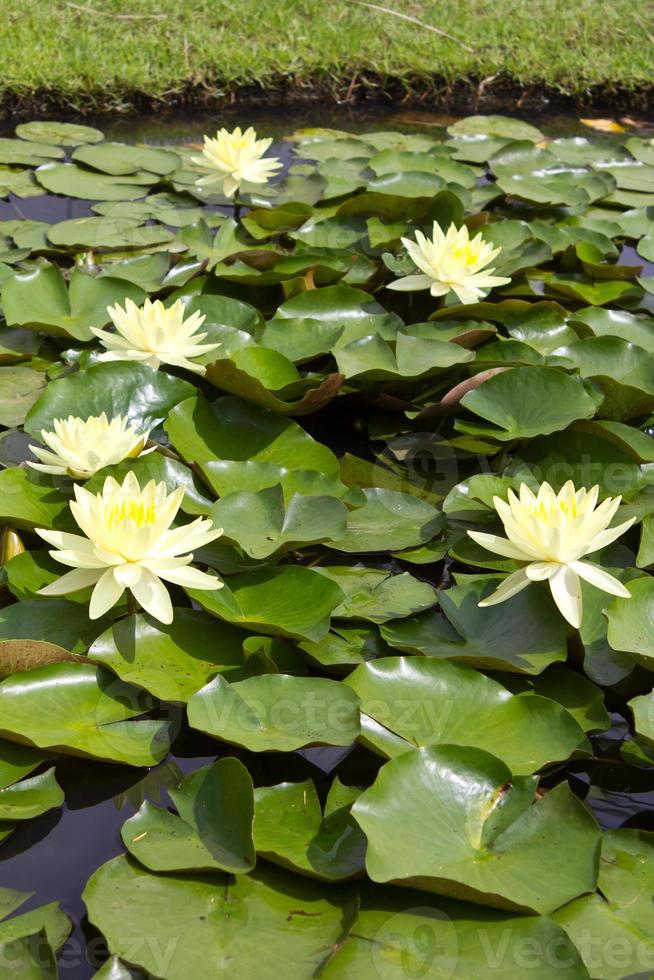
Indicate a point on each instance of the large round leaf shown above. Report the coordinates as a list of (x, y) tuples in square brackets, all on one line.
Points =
[(262, 525), (389, 521), (291, 601), (62, 134), (524, 402), (276, 712), (74, 181), (118, 159), (453, 820), (401, 933), (233, 429), (40, 301), (613, 930), (630, 620), (135, 391), (262, 925), (172, 662), (523, 634), (412, 701), (31, 797), (83, 710)]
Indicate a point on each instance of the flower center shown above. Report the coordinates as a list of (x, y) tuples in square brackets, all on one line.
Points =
[(134, 511)]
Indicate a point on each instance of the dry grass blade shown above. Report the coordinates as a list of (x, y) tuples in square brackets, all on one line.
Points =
[(412, 20)]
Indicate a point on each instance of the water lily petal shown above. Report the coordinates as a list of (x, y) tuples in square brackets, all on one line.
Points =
[(600, 578), (566, 592), (500, 546), (511, 585), (105, 595), (153, 595), (79, 578)]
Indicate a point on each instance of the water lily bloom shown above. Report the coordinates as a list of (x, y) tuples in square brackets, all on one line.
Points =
[(81, 447), (154, 334), (451, 262), (553, 532), (235, 157), (129, 544)]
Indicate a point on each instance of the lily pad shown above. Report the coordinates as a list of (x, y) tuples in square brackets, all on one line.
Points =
[(276, 712), (524, 402), (82, 710), (289, 601), (412, 701), (137, 392), (262, 525), (193, 919), (171, 662), (291, 830), (61, 134), (471, 830), (40, 300), (213, 827)]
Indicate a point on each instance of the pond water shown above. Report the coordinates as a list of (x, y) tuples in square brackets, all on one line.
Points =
[(53, 856)]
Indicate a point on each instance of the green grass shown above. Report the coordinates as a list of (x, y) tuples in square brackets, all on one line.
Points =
[(110, 50)]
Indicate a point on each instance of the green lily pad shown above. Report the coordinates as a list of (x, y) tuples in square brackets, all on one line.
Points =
[(212, 829), (82, 710), (192, 920), (630, 620), (376, 595), (291, 830), (171, 662), (262, 525), (412, 701), (290, 601), (613, 930), (524, 402), (74, 181), (20, 387), (343, 307), (233, 429), (118, 159), (400, 933), (497, 126), (16, 761), (107, 233), (522, 634), (137, 392), (471, 830), (389, 520), (276, 712), (28, 499), (61, 134), (31, 797), (40, 300)]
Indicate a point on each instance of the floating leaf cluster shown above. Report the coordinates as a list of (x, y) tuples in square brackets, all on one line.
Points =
[(404, 774)]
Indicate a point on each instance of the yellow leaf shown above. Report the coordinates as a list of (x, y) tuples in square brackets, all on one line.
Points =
[(603, 125)]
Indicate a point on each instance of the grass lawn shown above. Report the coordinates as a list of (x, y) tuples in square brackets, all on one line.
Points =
[(101, 53)]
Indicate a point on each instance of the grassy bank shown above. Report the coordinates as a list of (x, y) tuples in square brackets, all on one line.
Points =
[(110, 54)]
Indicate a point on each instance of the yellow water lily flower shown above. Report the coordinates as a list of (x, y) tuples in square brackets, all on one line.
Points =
[(81, 447), (553, 532), (130, 544), (154, 334), (451, 262), (235, 157)]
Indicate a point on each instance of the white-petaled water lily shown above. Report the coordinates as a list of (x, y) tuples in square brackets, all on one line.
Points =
[(452, 261), (553, 532), (154, 334), (235, 157), (81, 447), (130, 544)]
